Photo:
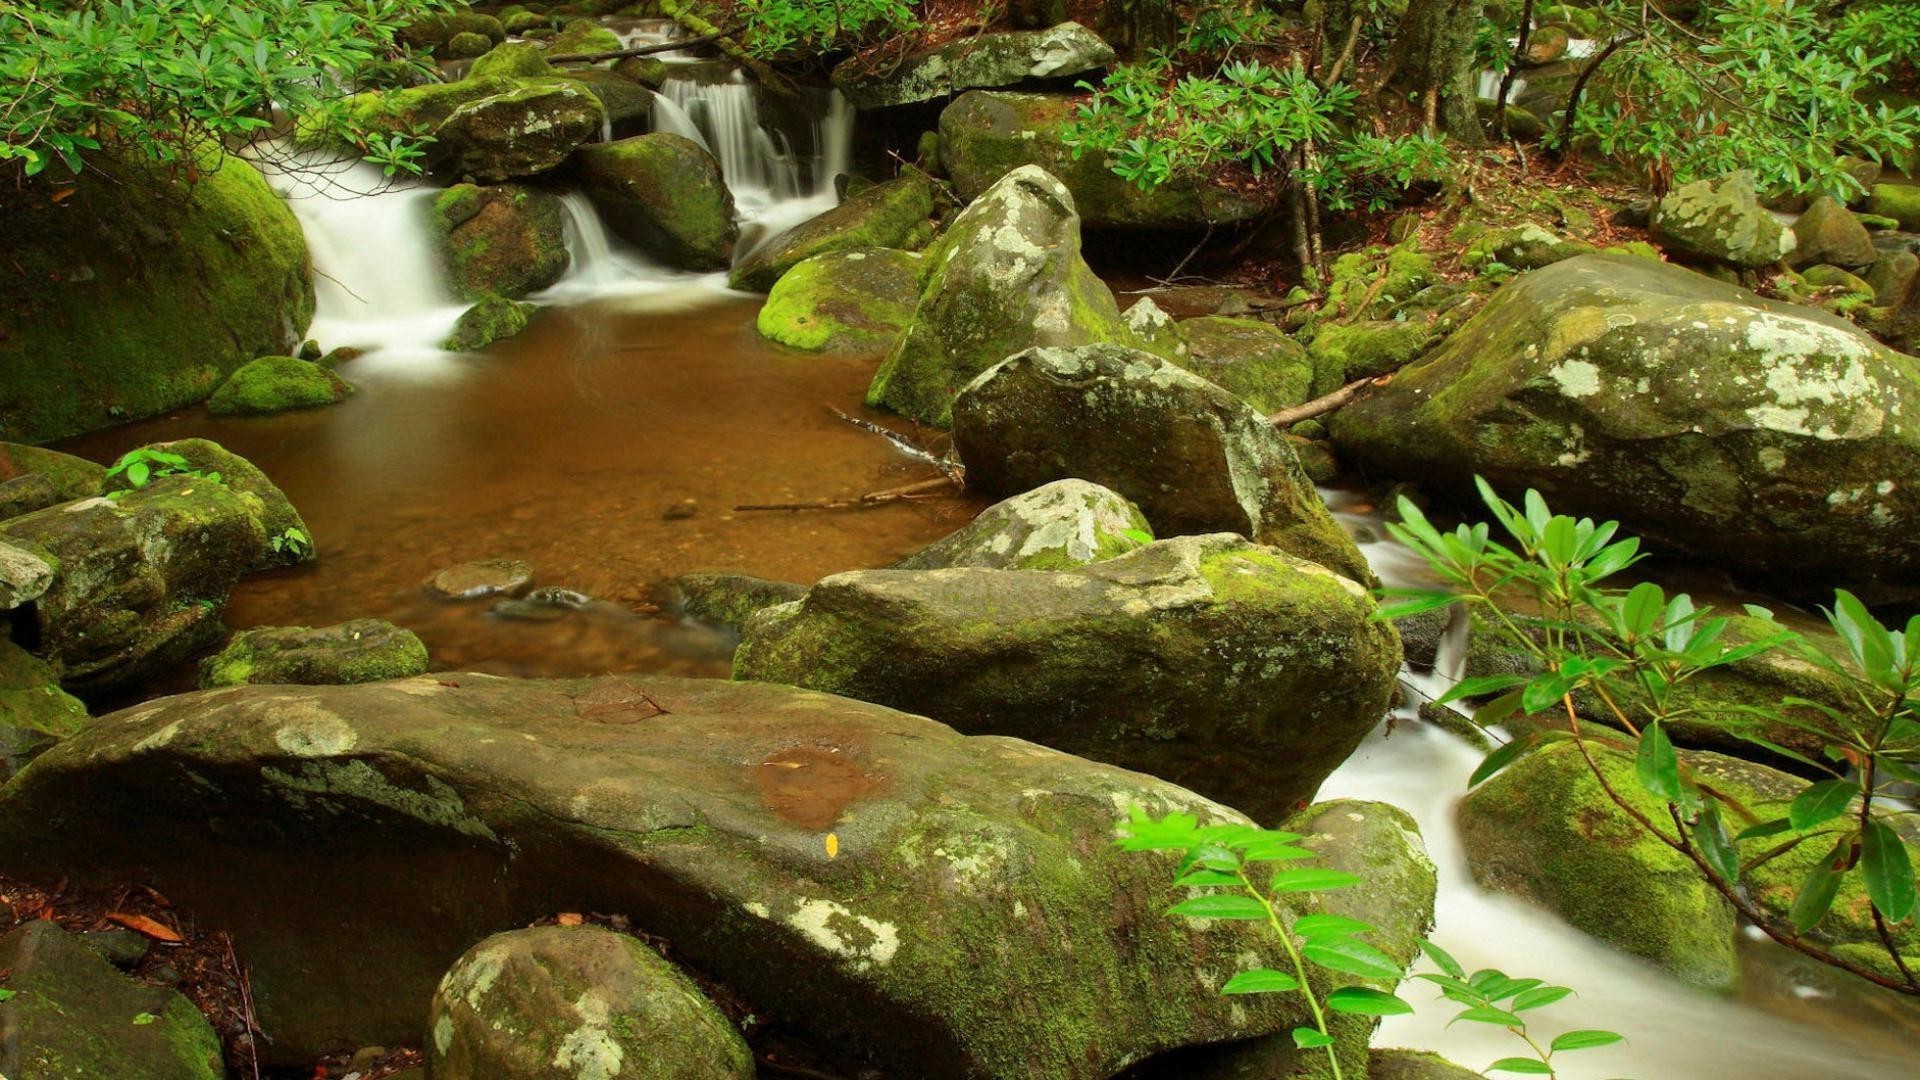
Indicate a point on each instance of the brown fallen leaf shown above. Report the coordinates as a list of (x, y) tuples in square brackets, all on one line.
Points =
[(140, 924), (569, 918)]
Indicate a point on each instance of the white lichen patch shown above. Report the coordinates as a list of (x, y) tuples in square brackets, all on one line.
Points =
[(1576, 378), (312, 731), (438, 805), (158, 739), (590, 1052), (858, 939)]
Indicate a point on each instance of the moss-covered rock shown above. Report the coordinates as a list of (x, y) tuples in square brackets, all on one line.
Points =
[(1253, 359), (1056, 526), (583, 37), (1343, 352), (1524, 247), (1415, 1065), (844, 301), (1777, 440), (1005, 58), (514, 60), (663, 192), (34, 712), (70, 477), (467, 45), (728, 600), (885, 215), (274, 384), (277, 516), (626, 102), (985, 135), (518, 132), (140, 292), (436, 32), (648, 71), (1371, 283), (1160, 660), (24, 576), (581, 999), (138, 581), (25, 494), (1830, 233), (1720, 220), (486, 322), (363, 650), (68, 1013), (508, 240), (964, 874), (1901, 202), (1193, 457), (1006, 276)]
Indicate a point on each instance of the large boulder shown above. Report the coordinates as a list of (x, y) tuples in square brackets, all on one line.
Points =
[(519, 132), (434, 32), (274, 384), (69, 477), (1829, 233), (139, 580), (1721, 220), (665, 193), (1253, 359), (1774, 439), (889, 215), (141, 292), (68, 1013), (34, 712), (1005, 58), (1901, 202), (1176, 659), (727, 600), (1056, 526), (278, 518), (843, 301), (508, 240), (1193, 457), (1006, 276), (358, 651), (871, 880), (985, 135), (576, 1001)]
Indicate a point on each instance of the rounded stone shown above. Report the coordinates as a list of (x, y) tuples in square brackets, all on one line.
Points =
[(487, 577)]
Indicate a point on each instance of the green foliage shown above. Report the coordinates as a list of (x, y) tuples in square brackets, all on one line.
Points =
[(169, 81), (1890, 29), (1633, 648), (775, 27), (1491, 996), (144, 466), (292, 541), (1767, 85)]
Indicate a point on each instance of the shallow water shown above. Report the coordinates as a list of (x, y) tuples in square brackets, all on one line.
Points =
[(567, 446)]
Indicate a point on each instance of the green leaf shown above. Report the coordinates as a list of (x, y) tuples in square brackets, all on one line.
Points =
[(1764, 829), (1817, 890), (1480, 686), (1207, 879), (1362, 1001), (1502, 757), (1260, 981), (1487, 1014), (1888, 870), (1313, 879), (1539, 997), (1307, 1038), (1584, 1039), (1220, 906), (1442, 958), (1715, 846), (1313, 927), (7, 995), (1351, 956), (139, 473), (1531, 1066), (1657, 765), (1821, 802), (1414, 606)]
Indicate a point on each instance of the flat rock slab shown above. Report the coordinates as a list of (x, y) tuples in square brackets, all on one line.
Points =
[(936, 904), (488, 577)]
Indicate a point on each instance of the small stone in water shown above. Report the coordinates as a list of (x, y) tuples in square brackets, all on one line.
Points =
[(681, 510), (486, 578)]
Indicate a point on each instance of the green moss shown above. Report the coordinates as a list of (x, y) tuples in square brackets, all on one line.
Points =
[(140, 293), (1343, 352), (856, 301), (275, 384), (515, 59), (486, 322), (1901, 202), (665, 193), (882, 216), (1250, 358), (506, 239)]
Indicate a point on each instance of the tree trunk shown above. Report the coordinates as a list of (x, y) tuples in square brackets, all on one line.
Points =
[(1433, 60)]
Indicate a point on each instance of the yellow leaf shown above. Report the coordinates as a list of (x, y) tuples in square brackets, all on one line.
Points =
[(833, 845)]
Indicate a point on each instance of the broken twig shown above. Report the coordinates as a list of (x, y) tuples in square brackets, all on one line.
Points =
[(950, 469), (1326, 403), (871, 499)]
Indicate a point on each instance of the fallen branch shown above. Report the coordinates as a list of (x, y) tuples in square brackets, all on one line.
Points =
[(949, 469), (641, 50), (700, 27), (1326, 403), (863, 502)]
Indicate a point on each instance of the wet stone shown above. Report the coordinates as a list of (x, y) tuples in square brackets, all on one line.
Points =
[(488, 577)]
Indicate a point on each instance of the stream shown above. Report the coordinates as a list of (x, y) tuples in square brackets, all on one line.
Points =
[(608, 445)]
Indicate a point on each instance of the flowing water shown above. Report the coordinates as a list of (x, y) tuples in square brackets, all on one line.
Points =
[(609, 443)]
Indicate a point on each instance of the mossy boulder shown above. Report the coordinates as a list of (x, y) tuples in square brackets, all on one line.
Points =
[(514, 60), (519, 132), (1344, 352), (1006, 276), (1901, 202), (34, 712), (583, 37), (648, 71), (264, 499), (436, 32), (274, 384), (1057, 526), (984, 135), (1003, 58), (1193, 457), (727, 600), (843, 301), (962, 874), (467, 45), (486, 322), (626, 102), (1720, 220), (412, 108), (665, 193), (507, 240), (581, 999), (24, 577), (1253, 359), (1164, 659), (138, 581), (1893, 277), (1526, 246), (1373, 282), (1777, 440), (140, 292), (70, 477), (885, 215), (1415, 1065), (363, 650), (68, 1013), (1830, 233)]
